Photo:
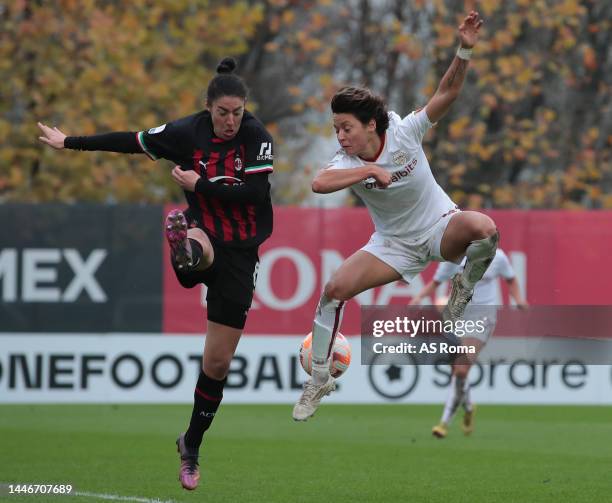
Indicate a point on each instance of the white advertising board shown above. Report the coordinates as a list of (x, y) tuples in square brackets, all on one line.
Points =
[(121, 368)]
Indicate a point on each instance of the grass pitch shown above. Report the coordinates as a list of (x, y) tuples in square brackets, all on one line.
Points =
[(347, 453)]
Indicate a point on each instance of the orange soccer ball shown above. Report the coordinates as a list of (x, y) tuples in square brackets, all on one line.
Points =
[(340, 360)]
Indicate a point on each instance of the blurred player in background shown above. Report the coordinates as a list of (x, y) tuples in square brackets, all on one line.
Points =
[(224, 157), (382, 160), (485, 294)]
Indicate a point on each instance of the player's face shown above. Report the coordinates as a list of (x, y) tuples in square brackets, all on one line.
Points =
[(227, 113), (352, 135)]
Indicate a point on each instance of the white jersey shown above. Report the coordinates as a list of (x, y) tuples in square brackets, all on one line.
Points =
[(414, 201), (485, 291)]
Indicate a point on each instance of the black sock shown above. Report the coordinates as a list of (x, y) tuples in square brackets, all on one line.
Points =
[(196, 252), (207, 398)]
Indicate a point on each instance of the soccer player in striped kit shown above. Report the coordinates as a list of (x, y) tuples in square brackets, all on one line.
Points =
[(485, 294), (383, 161), (223, 158)]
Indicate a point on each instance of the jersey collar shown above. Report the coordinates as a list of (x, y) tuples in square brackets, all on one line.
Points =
[(383, 139)]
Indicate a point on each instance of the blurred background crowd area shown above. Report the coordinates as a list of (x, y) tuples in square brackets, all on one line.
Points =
[(531, 129)]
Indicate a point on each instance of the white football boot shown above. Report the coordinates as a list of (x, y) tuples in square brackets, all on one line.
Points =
[(459, 298), (311, 398)]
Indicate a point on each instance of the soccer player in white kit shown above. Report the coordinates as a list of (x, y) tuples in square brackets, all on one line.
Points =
[(382, 160), (485, 294)]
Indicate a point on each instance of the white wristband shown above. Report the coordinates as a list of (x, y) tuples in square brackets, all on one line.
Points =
[(463, 53)]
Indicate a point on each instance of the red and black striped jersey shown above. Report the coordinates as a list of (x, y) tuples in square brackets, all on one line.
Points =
[(238, 211)]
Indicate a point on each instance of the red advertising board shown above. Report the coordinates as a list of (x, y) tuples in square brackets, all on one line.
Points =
[(560, 257)]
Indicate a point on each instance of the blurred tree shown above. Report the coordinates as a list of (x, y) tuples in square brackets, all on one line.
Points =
[(531, 128), (305, 50), (93, 66)]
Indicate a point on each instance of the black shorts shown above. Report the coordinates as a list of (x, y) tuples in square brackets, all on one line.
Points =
[(231, 282)]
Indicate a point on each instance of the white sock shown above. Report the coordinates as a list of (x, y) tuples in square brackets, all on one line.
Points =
[(455, 397), (320, 372), (467, 399), (324, 329)]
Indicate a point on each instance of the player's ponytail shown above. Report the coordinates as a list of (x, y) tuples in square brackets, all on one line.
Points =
[(226, 83), (227, 65)]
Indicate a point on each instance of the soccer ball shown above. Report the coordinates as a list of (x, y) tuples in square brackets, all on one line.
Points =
[(341, 355)]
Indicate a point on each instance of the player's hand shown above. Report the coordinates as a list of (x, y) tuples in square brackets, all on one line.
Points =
[(522, 305), (382, 177), (415, 301), (468, 31), (51, 136), (186, 179)]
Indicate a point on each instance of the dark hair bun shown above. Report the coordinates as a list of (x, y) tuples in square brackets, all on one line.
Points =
[(227, 65)]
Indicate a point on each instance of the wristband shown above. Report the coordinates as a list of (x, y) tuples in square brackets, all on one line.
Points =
[(463, 53)]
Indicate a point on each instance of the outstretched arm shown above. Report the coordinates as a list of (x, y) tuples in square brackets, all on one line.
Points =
[(452, 82), (515, 293), (124, 142), (331, 180)]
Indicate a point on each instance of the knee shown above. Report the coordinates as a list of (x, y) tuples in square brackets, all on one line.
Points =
[(217, 367), (488, 228), (335, 290), (461, 371), (483, 228)]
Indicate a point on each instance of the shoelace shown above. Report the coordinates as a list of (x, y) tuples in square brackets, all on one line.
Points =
[(459, 299), (457, 309), (309, 393), (190, 463), (463, 297)]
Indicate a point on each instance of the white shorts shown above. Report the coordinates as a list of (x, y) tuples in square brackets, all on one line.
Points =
[(409, 256)]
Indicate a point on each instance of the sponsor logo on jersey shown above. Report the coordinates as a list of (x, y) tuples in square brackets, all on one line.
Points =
[(225, 180), (400, 158), (265, 152), (370, 183), (158, 129)]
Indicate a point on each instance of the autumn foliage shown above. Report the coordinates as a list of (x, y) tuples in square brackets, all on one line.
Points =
[(530, 130)]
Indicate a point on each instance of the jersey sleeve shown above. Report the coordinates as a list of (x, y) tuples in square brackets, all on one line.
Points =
[(122, 142), (339, 161), (259, 151), (445, 271), (164, 142), (413, 127), (505, 267)]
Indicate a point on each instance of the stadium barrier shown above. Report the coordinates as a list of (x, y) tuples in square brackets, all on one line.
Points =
[(127, 368), (91, 310)]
